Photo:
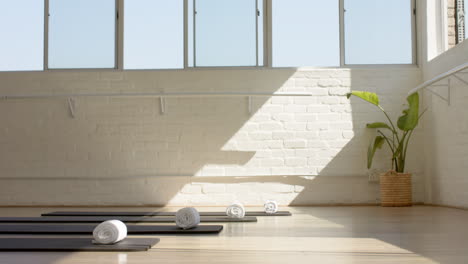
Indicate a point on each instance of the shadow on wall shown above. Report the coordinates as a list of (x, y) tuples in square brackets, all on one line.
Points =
[(293, 149), (337, 143), (350, 158), (446, 160)]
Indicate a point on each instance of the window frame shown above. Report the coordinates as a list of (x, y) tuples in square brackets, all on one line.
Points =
[(267, 42)]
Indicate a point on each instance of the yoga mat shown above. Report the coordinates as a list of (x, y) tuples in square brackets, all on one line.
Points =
[(125, 219), (81, 213), (74, 244), (88, 229)]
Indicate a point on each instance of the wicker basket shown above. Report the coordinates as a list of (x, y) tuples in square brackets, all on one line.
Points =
[(395, 189)]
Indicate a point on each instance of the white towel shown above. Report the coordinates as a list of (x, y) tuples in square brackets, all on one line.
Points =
[(187, 218), (110, 232), (235, 210), (271, 207)]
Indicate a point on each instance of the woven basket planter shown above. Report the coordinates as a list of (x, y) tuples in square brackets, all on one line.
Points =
[(395, 189)]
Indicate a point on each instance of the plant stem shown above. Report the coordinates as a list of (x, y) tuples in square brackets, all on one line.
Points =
[(391, 123), (386, 139), (406, 144), (390, 145), (399, 153)]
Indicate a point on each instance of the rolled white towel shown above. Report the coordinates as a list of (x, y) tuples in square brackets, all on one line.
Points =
[(271, 207), (109, 232), (187, 218), (235, 210)]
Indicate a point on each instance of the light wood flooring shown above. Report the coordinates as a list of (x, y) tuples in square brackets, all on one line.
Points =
[(371, 234)]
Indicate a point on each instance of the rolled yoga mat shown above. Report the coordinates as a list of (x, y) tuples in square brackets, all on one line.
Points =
[(271, 207), (235, 210), (101, 213), (109, 232), (88, 229), (187, 218), (74, 244), (125, 219)]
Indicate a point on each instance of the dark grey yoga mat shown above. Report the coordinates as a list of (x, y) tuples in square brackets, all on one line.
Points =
[(74, 244), (91, 213), (125, 219), (88, 229)]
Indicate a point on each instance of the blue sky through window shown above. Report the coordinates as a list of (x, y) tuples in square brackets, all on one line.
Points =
[(22, 31), (304, 33), (225, 33), (82, 34), (154, 34), (378, 32)]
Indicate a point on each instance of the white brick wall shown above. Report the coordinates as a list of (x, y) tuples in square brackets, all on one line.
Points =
[(191, 154), (448, 137), (446, 133)]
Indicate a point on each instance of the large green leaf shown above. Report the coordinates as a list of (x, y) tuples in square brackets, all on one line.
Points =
[(378, 125), (378, 142), (409, 119), (366, 96)]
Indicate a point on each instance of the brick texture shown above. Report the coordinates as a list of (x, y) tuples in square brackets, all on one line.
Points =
[(203, 151)]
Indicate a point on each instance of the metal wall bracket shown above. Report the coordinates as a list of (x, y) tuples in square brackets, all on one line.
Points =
[(453, 72), (249, 105), (446, 99), (162, 105), (460, 79), (72, 107), (448, 86)]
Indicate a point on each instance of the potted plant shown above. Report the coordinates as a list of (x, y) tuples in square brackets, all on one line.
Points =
[(395, 185)]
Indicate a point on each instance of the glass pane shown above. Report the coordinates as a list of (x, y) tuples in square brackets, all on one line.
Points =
[(190, 11), (378, 32), (225, 33), (82, 34), (305, 33), (22, 31), (260, 44), (154, 34)]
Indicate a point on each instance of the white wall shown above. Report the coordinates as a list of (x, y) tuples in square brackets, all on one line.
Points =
[(210, 151), (446, 132), (204, 151)]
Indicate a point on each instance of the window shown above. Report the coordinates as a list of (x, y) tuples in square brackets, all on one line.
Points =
[(305, 33), (225, 33), (378, 32), (154, 34), (81, 34), (183, 34), (22, 31)]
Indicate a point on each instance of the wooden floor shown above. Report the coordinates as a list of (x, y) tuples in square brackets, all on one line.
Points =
[(419, 234)]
